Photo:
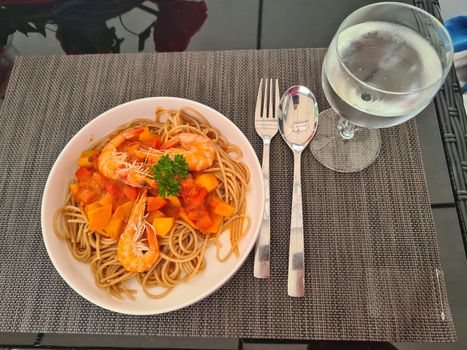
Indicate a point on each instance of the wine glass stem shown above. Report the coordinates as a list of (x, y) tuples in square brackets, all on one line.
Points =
[(346, 129)]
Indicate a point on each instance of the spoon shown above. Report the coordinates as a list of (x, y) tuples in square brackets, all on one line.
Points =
[(298, 120)]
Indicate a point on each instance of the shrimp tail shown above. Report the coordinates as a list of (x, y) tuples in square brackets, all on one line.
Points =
[(131, 134), (170, 143)]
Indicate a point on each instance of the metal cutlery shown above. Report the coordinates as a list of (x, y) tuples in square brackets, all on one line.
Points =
[(266, 126), (298, 120)]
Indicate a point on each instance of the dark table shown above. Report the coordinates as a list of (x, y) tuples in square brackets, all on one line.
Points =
[(109, 26)]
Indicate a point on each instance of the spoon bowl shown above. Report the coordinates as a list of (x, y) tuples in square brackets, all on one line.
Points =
[(298, 117)]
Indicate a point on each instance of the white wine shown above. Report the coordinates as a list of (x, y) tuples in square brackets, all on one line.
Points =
[(400, 71)]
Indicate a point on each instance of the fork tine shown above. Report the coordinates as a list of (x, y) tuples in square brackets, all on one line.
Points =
[(276, 109), (265, 99), (258, 101), (271, 96)]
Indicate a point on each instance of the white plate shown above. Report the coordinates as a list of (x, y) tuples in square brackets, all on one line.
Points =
[(78, 274)]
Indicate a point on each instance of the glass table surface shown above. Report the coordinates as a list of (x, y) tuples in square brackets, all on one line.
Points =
[(49, 27)]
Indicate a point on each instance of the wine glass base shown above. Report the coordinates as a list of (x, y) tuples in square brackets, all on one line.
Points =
[(338, 154)]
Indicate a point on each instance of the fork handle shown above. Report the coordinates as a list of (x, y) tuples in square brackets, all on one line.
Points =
[(296, 277), (262, 251)]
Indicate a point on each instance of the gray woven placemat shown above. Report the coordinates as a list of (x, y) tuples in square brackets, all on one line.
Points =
[(371, 249)]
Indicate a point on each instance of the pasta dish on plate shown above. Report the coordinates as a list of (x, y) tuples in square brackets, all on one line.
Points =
[(148, 199)]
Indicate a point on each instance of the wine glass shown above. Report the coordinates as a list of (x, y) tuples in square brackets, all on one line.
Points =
[(383, 67)]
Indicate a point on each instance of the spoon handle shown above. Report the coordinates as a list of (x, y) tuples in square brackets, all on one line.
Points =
[(296, 278), (262, 251)]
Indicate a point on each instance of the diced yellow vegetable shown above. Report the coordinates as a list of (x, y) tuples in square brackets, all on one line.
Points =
[(99, 217), (224, 209), (155, 203), (107, 199), (216, 223), (84, 159), (74, 188), (208, 181), (163, 225), (114, 228), (92, 206), (124, 211), (155, 214), (174, 200), (147, 137), (218, 206), (184, 216)]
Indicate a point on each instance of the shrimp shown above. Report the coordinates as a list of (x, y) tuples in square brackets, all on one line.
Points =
[(199, 151), (113, 164), (133, 254)]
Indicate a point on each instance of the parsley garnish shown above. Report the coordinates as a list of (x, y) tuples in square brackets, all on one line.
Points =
[(168, 173)]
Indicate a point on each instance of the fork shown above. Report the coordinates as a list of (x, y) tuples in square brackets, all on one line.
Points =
[(266, 126)]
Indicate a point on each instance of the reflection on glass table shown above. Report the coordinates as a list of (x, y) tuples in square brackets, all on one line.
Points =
[(7, 56), (88, 26)]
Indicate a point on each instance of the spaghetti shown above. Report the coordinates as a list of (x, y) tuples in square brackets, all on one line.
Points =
[(182, 250)]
